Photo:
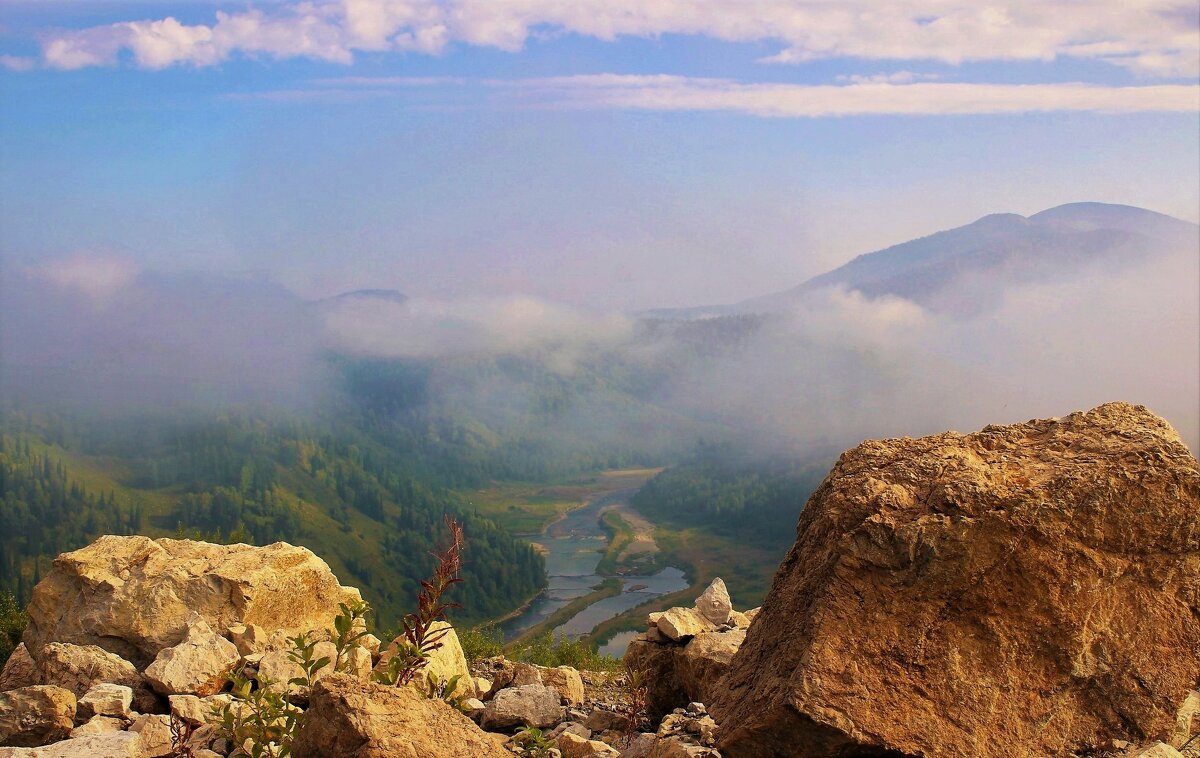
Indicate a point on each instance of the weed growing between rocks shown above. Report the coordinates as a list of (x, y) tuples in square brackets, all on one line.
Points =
[(486, 641), (420, 638), (532, 742), (549, 651), (635, 712)]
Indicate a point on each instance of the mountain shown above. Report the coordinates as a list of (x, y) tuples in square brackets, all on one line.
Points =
[(966, 270)]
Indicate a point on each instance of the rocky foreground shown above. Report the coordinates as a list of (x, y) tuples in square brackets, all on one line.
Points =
[(1027, 590)]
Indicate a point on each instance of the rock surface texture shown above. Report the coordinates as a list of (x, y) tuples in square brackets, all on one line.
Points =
[(133, 595), (1025, 590), (349, 718), (33, 716)]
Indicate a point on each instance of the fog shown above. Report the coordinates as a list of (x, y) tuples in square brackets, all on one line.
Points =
[(829, 369)]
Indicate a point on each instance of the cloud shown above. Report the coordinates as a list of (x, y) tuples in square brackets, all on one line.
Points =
[(96, 277), (17, 62), (1152, 37), (676, 93), (427, 328)]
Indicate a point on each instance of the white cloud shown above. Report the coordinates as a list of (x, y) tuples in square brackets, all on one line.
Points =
[(676, 93), (17, 62), (96, 277), (1150, 37)]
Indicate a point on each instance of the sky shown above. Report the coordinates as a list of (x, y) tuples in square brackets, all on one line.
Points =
[(611, 154)]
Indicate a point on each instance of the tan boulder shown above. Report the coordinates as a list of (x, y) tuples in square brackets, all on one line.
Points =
[(98, 725), (1025, 590), (20, 670), (574, 746), (679, 624), (278, 667), (133, 595), (105, 699), (567, 681), (199, 711), (676, 675), (154, 734), (445, 662), (198, 665), (78, 668), (107, 745), (349, 718), (533, 705), (714, 605), (32, 716)]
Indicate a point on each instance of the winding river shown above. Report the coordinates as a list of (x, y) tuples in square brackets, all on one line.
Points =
[(574, 545)]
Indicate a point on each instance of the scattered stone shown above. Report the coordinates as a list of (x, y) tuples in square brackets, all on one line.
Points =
[(483, 687), (567, 681), (360, 662), (105, 700), (99, 595), (739, 620), (248, 638), (199, 711), (527, 705), (574, 727), (32, 716), (111, 745), (640, 746), (714, 605), (473, 707), (603, 721), (349, 718), (98, 725), (681, 623), (948, 595), (445, 662), (1159, 750), (573, 746), (1187, 720), (78, 668), (154, 734), (19, 670), (199, 665), (279, 669), (675, 747)]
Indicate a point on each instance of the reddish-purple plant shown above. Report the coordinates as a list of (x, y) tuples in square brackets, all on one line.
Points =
[(420, 639)]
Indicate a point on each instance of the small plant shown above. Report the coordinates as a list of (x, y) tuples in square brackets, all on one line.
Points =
[(349, 626), (635, 711), (181, 734), (532, 742), (259, 721), (420, 638), (447, 691), (549, 651), (302, 654)]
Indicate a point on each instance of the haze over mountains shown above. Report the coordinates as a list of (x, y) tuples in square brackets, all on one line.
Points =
[(1005, 318)]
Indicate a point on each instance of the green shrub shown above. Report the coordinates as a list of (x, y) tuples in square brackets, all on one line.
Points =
[(13, 621), (564, 651), (481, 642)]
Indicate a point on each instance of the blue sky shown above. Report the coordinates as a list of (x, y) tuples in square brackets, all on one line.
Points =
[(616, 154)]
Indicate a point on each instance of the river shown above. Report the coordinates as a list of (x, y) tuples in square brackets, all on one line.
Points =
[(574, 545)]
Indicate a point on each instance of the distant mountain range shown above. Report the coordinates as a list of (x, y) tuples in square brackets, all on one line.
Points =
[(966, 270)]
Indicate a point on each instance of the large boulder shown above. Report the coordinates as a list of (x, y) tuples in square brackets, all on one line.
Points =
[(675, 675), (32, 716), (1025, 590), (350, 718), (133, 595)]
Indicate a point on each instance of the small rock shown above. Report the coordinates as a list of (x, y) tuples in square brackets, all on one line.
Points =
[(483, 687), (567, 681), (527, 705), (602, 721), (111, 745), (473, 707), (640, 746), (98, 725), (714, 605), (154, 733), (198, 665), (682, 623), (248, 638), (78, 668), (19, 670), (105, 700), (573, 746), (739, 620), (574, 727), (198, 711), (1159, 750), (32, 716)]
